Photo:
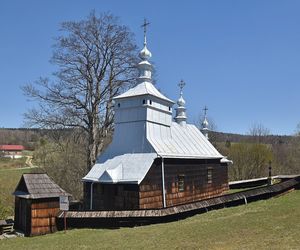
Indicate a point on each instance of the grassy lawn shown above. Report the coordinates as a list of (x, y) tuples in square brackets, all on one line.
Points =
[(270, 224), (235, 190), (6, 163), (9, 179), (27, 152)]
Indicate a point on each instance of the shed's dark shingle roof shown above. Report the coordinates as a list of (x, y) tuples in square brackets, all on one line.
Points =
[(35, 186)]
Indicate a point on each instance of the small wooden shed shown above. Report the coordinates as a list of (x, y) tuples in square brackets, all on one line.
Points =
[(37, 204)]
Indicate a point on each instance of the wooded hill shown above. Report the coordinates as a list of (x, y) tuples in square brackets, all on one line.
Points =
[(62, 153), (28, 137), (238, 138)]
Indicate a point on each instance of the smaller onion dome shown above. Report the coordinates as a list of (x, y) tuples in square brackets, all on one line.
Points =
[(181, 101), (145, 54), (205, 123)]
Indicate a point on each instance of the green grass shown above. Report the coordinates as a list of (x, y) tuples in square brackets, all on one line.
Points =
[(27, 152), (6, 163), (269, 224), (9, 179), (235, 190)]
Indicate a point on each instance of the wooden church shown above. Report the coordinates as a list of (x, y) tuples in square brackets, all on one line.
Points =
[(153, 161)]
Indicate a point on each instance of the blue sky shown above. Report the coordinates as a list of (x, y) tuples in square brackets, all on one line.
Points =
[(240, 58)]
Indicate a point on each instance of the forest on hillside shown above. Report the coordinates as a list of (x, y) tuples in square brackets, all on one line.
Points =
[(61, 153), (253, 154)]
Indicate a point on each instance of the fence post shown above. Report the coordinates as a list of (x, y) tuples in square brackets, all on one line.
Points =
[(270, 173)]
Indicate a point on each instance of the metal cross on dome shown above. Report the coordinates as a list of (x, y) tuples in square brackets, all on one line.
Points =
[(181, 85), (144, 25), (205, 110)]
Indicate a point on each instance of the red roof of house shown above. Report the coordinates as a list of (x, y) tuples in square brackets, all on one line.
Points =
[(12, 147)]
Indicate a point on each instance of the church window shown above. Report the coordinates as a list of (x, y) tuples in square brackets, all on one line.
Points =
[(150, 102), (181, 183), (144, 101), (169, 108), (209, 175), (119, 105)]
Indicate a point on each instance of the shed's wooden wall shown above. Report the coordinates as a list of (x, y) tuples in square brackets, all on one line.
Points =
[(196, 185), (36, 217), (43, 214)]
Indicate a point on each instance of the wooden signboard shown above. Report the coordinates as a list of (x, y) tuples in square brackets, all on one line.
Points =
[(64, 206), (64, 203)]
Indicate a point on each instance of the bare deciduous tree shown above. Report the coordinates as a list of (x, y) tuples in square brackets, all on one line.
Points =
[(62, 149), (96, 60), (250, 160), (258, 131)]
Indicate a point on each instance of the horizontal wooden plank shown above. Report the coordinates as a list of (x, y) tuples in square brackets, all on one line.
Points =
[(43, 222), (44, 213), (51, 204)]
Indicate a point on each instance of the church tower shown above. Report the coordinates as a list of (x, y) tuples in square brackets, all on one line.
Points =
[(138, 107)]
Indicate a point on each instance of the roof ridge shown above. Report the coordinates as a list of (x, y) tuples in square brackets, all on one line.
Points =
[(144, 88)]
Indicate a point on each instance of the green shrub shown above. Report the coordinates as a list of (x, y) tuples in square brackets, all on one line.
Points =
[(4, 211)]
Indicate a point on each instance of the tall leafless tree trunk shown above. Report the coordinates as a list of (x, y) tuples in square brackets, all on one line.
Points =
[(96, 61)]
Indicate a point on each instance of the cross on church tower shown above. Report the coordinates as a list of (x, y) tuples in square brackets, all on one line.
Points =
[(181, 85), (205, 111), (144, 25)]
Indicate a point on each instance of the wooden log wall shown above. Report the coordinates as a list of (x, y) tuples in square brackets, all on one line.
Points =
[(112, 196), (150, 189), (43, 214), (197, 185)]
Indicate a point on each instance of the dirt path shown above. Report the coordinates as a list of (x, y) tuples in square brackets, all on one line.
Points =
[(28, 161)]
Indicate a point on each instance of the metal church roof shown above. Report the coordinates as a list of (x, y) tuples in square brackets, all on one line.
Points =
[(144, 88), (176, 141), (130, 168), (180, 142)]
